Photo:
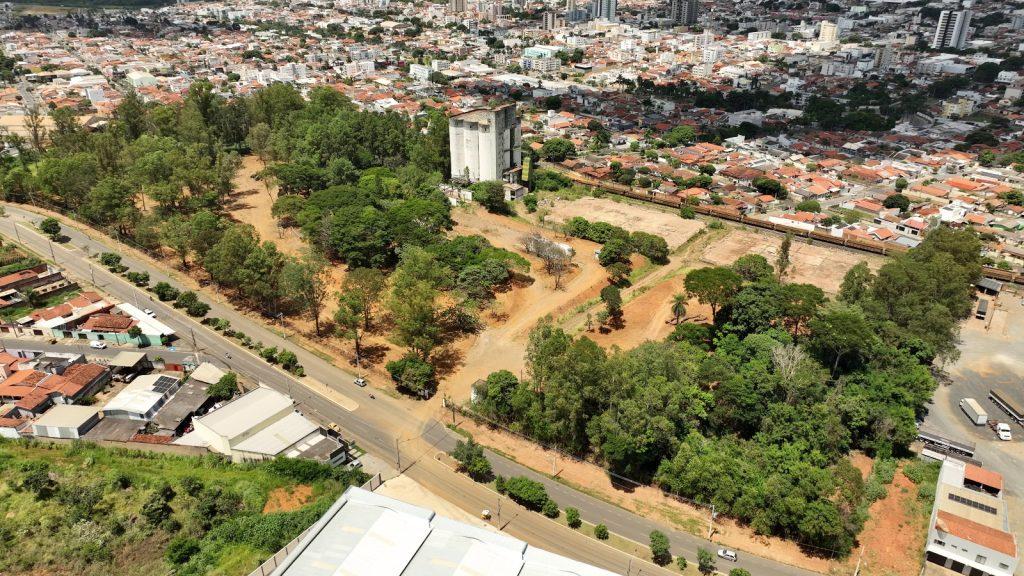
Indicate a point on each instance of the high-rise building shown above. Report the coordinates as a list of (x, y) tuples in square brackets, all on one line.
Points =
[(457, 6), (683, 11), (485, 143), (828, 34), (604, 9), (952, 29), (552, 20)]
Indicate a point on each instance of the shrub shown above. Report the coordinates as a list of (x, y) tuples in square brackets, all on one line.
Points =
[(50, 227), (572, 517), (884, 470), (550, 509), (472, 461), (716, 225), (287, 359), (109, 259), (298, 371), (529, 493), (191, 485), (681, 562), (138, 278), (530, 201), (687, 212), (269, 354), (705, 561), (660, 550), (601, 532), (185, 299), (739, 572), (165, 292), (499, 484), (224, 388), (919, 471), (198, 309), (181, 549), (874, 490)]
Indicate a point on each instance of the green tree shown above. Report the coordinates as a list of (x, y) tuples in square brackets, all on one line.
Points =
[(841, 331), (782, 261), (678, 307), (705, 561), (714, 287), (50, 227), (897, 201), (660, 548), (901, 184), (856, 284), (472, 460), (753, 268), (529, 493), (349, 321), (809, 206), (572, 518), (224, 388), (366, 285), (612, 298), (557, 149), (771, 187), (305, 282), (601, 532), (413, 374), (491, 195)]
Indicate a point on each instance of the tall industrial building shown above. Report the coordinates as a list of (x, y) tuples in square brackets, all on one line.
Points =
[(952, 29), (604, 9), (684, 11), (485, 143)]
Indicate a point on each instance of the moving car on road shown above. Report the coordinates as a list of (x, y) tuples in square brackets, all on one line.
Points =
[(97, 345), (726, 554), (361, 382)]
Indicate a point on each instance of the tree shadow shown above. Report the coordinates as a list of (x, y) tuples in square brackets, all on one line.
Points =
[(446, 361), (374, 353)]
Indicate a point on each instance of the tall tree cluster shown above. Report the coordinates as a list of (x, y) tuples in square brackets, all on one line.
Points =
[(758, 411)]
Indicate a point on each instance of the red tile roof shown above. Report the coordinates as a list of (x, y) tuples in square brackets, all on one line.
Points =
[(980, 534), (983, 476)]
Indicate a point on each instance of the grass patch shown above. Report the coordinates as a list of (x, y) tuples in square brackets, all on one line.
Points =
[(84, 509), (23, 309)]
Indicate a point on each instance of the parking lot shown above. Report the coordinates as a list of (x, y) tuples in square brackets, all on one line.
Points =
[(991, 356)]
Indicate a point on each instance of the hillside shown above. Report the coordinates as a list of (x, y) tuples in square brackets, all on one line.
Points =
[(85, 510)]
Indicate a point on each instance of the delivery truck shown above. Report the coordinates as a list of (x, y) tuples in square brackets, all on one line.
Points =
[(974, 411)]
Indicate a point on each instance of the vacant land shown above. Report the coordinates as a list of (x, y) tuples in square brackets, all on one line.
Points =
[(892, 542), (816, 264), (675, 230)]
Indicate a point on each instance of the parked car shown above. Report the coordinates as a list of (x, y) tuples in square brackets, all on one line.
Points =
[(726, 554), (149, 313), (360, 381), (97, 345)]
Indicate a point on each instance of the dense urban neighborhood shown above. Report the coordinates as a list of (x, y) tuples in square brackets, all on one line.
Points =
[(383, 287)]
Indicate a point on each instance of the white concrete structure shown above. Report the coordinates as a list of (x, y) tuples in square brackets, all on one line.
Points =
[(66, 421), (828, 35), (969, 531), (366, 533), (485, 144)]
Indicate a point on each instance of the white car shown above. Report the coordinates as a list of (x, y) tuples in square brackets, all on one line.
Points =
[(149, 313), (726, 554), (97, 345), (361, 382)]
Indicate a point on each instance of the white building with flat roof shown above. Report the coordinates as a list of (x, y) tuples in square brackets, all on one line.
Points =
[(66, 421), (143, 397)]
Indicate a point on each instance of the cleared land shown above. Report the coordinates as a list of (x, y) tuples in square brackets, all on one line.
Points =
[(675, 230), (816, 264)]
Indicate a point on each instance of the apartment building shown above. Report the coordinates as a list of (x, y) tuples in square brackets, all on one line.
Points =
[(969, 531)]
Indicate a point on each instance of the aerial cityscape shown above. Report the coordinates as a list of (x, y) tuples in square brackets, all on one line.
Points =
[(511, 287)]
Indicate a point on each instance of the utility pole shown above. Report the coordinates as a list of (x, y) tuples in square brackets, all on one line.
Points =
[(16, 233), (52, 255), (398, 456), (711, 522), (195, 347), (92, 274)]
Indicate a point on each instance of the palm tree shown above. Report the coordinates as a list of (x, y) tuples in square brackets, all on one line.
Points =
[(679, 306)]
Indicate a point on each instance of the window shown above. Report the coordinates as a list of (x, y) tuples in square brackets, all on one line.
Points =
[(1003, 566), (980, 559), (939, 542)]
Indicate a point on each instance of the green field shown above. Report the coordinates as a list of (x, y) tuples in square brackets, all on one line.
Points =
[(84, 510)]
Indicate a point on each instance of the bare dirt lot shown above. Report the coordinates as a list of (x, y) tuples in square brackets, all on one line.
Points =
[(816, 264), (671, 227), (892, 542), (285, 500)]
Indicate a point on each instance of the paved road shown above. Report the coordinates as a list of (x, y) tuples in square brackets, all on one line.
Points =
[(378, 426)]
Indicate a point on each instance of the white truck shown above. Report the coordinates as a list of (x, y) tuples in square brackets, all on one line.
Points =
[(1002, 430), (974, 411)]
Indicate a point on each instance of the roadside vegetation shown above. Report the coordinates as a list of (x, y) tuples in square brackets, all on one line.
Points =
[(757, 412), (79, 508)]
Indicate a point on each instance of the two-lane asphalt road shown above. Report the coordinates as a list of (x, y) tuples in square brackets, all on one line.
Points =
[(378, 425)]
